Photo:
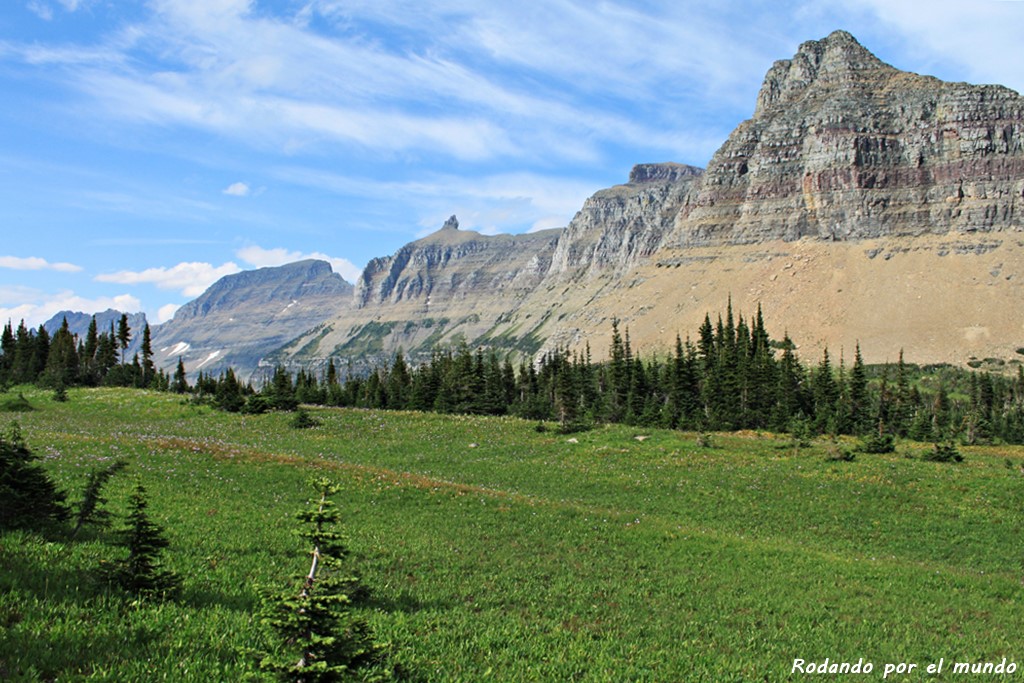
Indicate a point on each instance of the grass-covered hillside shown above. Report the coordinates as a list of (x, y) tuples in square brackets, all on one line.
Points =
[(495, 551)]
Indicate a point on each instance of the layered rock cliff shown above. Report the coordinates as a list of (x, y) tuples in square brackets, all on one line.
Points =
[(843, 146), (451, 286), (619, 227)]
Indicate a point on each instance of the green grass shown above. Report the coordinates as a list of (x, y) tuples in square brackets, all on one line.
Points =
[(495, 552)]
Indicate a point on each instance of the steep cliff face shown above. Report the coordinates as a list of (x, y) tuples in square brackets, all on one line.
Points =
[(242, 317), (843, 146), (453, 285), (619, 227), (453, 264)]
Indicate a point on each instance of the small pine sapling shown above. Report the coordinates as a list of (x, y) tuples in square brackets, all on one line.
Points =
[(943, 452), (303, 420), (141, 572), (318, 637)]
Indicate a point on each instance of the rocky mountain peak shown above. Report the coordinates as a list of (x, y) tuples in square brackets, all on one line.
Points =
[(843, 146), (451, 224), (835, 61)]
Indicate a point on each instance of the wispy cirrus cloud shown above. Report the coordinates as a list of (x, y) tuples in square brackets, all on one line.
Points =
[(36, 263), (471, 81), (190, 279)]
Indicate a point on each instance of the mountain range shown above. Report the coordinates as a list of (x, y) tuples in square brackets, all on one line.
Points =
[(859, 205)]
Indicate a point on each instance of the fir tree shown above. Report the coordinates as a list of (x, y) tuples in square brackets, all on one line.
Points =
[(124, 335), (179, 384), (858, 395), (141, 572), (62, 362), (148, 368), (317, 635), (28, 497)]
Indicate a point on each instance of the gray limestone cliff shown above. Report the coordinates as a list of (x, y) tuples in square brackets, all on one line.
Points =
[(843, 146), (619, 227)]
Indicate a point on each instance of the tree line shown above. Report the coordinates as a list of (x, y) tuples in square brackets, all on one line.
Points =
[(33, 356), (732, 376)]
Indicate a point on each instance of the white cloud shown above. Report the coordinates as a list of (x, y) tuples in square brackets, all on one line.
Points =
[(475, 81), (190, 279), (44, 306), (261, 258), (36, 263), (167, 312), (237, 190)]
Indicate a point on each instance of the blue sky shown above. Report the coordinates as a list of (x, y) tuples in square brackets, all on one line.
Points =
[(149, 147)]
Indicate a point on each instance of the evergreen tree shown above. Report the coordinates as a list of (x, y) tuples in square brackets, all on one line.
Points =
[(7, 351), (618, 377), (141, 573), (40, 354), (228, 393), (124, 335), (28, 497), (567, 399), (858, 395), (180, 383), (106, 353), (88, 361), (148, 368), (62, 362), (826, 396), (399, 384), (280, 393), (317, 636)]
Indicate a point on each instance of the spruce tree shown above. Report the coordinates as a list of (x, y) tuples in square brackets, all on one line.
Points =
[(179, 384), (124, 335), (317, 637), (141, 572), (28, 497)]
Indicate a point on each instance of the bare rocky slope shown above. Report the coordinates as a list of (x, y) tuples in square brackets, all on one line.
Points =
[(859, 204), (242, 317)]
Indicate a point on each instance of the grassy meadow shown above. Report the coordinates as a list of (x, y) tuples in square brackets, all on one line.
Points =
[(497, 552)]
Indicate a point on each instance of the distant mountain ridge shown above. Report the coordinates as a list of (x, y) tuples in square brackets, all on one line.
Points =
[(860, 204)]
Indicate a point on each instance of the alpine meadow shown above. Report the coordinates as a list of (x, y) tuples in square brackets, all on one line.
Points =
[(489, 549)]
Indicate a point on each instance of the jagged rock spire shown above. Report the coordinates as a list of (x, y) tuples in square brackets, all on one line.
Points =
[(451, 224)]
